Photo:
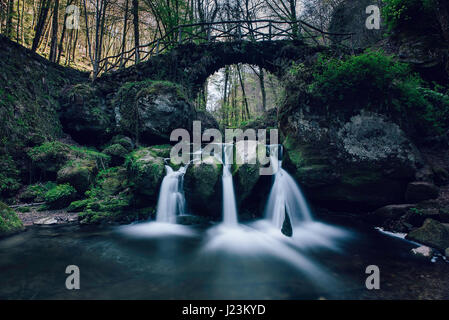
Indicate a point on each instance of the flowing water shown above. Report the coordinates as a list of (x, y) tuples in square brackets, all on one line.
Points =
[(115, 265), (171, 202), (229, 205), (231, 260), (285, 196)]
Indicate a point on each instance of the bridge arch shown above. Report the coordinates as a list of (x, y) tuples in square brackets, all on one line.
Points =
[(191, 64)]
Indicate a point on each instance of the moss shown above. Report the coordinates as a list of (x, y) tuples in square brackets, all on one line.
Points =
[(146, 171), (78, 206), (60, 196), (36, 192), (51, 157), (359, 178), (24, 209), (9, 221), (9, 176), (117, 153), (107, 210)]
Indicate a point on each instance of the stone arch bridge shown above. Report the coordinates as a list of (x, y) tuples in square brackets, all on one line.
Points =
[(191, 53)]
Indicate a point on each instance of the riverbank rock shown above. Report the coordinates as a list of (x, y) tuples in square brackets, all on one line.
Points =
[(420, 191), (423, 251), (9, 221), (146, 171), (432, 233), (151, 110), (79, 173), (393, 211), (202, 187), (85, 116), (362, 163), (252, 183), (117, 152)]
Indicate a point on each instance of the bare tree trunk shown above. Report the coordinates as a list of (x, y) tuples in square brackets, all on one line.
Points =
[(18, 21), (135, 11), (61, 41), (242, 84), (9, 18), (225, 96), (262, 89), (54, 33), (125, 25), (442, 11), (45, 6)]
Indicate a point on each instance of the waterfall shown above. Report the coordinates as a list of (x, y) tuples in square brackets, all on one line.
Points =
[(285, 195), (171, 202), (229, 206)]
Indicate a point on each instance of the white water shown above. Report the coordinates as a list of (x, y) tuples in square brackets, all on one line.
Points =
[(285, 195), (229, 205), (171, 202)]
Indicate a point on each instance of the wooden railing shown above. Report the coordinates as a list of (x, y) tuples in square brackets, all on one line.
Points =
[(227, 31)]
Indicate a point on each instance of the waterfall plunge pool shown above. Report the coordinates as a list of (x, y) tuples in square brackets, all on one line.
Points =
[(248, 261)]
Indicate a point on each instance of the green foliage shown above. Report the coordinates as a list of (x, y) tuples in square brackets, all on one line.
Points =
[(9, 222), (36, 192), (377, 82), (9, 176), (416, 211), (60, 196), (407, 14)]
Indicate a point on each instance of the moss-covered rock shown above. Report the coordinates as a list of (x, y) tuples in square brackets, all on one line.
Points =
[(432, 233), (85, 116), (60, 196), (360, 164), (109, 200), (117, 153), (125, 142), (50, 157), (9, 221), (78, 173), (109, 209), (202, 185), (150, 110), (146, 171)]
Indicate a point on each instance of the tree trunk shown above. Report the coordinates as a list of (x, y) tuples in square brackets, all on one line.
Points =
[(135, 4), (442, 12), (245, 100), (125, 25), (45, 6), (262, 89), (54, 33), (9, 19)]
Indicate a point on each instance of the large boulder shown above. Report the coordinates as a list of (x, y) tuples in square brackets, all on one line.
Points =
[(251, 187), (432, 233), (9, 221), (85, 115), (350, 17), (78, 173), (360, 163), (150, 111), (419, 191), (202, 187), (146, 171)]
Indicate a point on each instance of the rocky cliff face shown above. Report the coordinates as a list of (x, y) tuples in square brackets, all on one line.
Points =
[(357, 164)]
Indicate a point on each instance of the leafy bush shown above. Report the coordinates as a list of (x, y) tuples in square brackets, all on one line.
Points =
[(9, 176), (36, 192), (407, 14), (60, 196), (9, 222), (377, 82)]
